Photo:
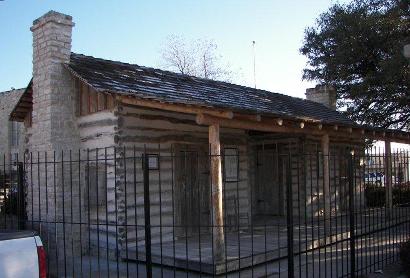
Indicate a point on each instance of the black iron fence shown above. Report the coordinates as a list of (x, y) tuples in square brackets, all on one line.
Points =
[(150, 211)]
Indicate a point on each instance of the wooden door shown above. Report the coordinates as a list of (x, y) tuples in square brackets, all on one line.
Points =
[(192, 190), (269, 184)]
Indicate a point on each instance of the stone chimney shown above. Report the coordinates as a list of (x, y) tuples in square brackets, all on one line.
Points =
[(53, 122), (54, 126), (323, 94)]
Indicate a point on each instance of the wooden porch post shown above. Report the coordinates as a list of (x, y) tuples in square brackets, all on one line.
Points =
[(387, 172), (217, 194), (326, 179)]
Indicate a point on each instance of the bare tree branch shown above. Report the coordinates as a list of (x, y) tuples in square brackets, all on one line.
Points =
[(198, 58)]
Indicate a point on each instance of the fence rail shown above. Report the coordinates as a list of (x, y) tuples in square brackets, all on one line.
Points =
[(148, 211)]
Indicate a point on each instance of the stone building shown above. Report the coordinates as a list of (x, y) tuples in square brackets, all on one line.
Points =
[(120, 110), (11, 133)]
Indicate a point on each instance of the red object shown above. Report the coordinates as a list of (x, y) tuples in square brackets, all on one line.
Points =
[(42, 262)]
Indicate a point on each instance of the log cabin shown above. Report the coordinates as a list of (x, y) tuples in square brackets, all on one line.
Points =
[(217, 152)]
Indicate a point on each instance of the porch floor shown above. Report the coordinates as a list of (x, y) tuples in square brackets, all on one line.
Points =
[(255, 245), (264, 241), (243, 249)]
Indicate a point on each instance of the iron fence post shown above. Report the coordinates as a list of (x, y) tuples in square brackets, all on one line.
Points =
[(147, 215), (352, 216), (289, 218), (21, 208)]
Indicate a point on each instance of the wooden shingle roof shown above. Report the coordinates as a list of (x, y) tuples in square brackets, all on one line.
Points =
[(169, 87)]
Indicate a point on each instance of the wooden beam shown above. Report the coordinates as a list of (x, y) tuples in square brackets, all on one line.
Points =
[(266, 125), (387, 172), (256, 118), (180, 108), (217, 194), (278, 126), (271, 126), (25, 104), (21, 109), (256, 122), (326, 179)]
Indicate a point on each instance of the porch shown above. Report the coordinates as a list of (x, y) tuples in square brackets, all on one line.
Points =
[(266, 243), (300, 177), (243, 248)]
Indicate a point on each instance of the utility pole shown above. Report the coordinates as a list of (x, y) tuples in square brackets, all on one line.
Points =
[(254, 63)]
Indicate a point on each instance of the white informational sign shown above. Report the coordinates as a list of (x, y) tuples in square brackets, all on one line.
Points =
[(153, 163)]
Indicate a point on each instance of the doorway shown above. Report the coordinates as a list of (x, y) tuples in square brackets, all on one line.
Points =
[(192, 190), (269, 195)]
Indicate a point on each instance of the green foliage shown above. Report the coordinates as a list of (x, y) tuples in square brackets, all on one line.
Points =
[(358, 48), (376, 195)]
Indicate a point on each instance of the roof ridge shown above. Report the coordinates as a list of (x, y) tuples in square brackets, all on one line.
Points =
[(11, 91)]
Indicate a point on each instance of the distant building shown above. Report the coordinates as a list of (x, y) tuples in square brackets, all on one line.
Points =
[(11, 133)]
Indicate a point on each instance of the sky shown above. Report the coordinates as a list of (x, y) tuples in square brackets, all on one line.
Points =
[(135, 31)]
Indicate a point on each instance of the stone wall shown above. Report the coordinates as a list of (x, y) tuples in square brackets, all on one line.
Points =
[(8, 100)]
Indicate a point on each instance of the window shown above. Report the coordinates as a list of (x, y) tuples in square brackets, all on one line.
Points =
[(14, 134), (231, 164)]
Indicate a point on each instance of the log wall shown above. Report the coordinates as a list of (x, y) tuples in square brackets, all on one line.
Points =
[(127, 131), (164, 134)]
